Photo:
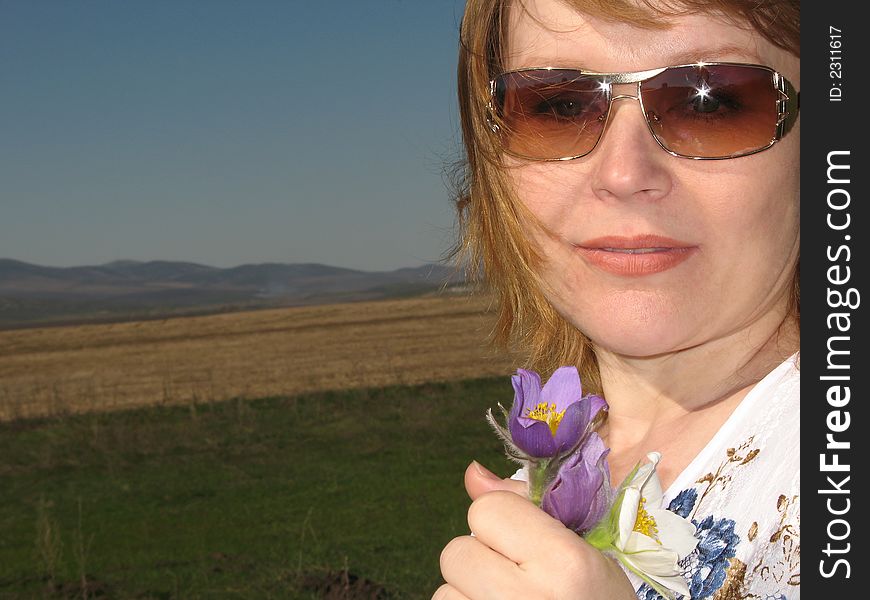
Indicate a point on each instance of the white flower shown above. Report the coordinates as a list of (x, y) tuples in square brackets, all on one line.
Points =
[(646, 538)]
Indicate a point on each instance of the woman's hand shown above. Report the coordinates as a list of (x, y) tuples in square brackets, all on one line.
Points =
[(519, 551)]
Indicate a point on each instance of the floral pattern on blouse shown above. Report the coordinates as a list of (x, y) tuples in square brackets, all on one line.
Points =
[(713, 570)]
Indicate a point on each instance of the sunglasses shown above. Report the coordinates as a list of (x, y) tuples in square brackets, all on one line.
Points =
[(699, 111)]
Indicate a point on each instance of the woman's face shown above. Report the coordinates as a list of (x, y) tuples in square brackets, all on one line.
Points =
[(647, 253)]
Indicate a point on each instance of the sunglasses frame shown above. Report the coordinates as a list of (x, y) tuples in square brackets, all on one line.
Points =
[(787, 105)]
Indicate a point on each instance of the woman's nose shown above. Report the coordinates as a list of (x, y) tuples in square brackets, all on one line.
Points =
[(630, 163)]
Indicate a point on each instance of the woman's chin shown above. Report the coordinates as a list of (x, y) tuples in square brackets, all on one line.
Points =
[(637, 346), (633, 322), (640, 337)]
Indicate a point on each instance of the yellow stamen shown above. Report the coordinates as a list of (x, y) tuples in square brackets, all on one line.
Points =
[(547, 413), (644, 523)]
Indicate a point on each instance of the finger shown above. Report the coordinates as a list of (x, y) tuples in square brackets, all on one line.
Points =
[(480, 480), (477, 571), (448, 592), (517, 529)]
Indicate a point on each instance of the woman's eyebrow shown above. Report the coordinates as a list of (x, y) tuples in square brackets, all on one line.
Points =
[(725, 53), (718, 53)]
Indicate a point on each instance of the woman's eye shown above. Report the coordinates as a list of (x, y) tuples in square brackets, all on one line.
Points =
[(561, 107), (705, 103)]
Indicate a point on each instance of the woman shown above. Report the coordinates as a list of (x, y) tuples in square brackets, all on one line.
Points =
[(644, 226)]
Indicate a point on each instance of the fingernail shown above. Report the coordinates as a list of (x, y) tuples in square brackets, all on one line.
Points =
[(484, 472)]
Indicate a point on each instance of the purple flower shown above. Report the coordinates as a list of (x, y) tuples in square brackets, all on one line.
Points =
[(580, 494), (550, 421)]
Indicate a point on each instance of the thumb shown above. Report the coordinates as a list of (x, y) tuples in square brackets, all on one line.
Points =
[(480, 480)]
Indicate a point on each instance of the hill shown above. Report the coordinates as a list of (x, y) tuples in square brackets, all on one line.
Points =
[(128, 290)]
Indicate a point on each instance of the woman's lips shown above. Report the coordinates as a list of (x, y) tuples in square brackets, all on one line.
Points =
[(635, 256)]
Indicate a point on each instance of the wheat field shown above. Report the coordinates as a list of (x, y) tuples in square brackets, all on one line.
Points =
[(72, 369)]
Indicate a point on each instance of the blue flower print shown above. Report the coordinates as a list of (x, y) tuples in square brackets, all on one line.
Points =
[(717, 544), (645, 592), (684, 502)]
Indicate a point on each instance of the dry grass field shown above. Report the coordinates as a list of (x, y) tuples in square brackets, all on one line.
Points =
[(62, 370)]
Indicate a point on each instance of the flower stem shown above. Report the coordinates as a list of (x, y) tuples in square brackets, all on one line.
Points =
[(539, 479), (599, 537)]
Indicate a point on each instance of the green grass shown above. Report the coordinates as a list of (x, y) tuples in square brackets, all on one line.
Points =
[(271, 498)]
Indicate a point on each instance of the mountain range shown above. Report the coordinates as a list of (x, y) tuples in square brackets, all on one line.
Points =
[(121, 290)]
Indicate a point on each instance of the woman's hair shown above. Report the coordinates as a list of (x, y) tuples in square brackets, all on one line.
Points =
[(492, 243)]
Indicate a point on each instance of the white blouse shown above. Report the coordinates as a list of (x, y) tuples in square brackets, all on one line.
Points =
[(742, 493)]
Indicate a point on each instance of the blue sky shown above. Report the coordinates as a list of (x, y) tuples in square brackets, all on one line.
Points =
[(227, 132)]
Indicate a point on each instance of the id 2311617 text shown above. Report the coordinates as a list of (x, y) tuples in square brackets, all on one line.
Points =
[(835, 64)]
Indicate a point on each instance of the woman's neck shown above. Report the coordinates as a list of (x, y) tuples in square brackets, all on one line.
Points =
[(652, 392), (676, 403)]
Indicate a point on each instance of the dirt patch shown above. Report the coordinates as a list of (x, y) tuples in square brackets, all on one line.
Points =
[(343, 585), (283, 352)]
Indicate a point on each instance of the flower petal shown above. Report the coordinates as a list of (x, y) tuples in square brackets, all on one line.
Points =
[(639, 475), (657, 565), (527, 391), (570, 495), (638, 543), (593, 449), (675, 532), (627, 515), (573, 424), (646, 470), (534, 439), (563, 388), (596, 404), (652, 487), (676, 583), (577, 420)]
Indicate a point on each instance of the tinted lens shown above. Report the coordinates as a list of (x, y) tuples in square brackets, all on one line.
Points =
[(549, 113), (712, 111)]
